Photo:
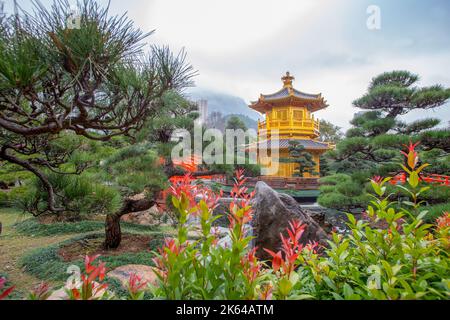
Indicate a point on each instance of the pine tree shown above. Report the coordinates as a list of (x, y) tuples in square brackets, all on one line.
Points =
[(329, 132), (371, 146), (93, 81), (302, 158)]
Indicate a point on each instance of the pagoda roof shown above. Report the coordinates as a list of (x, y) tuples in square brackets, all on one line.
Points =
[(288, 94)]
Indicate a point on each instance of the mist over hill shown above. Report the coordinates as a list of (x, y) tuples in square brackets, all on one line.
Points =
[(222, 102)]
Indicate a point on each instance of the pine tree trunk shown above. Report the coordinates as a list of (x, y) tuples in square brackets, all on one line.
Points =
[(113, 233)]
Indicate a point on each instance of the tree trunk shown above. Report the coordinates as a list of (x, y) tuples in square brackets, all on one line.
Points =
[(113, 233)]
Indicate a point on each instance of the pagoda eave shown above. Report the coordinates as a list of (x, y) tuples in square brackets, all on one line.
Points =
[(262, 105)]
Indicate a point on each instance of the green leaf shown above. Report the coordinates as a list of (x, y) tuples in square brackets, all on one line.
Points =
[(422, 215), (405, 168), (413, 179), (285, 286), (418, 170), (348, 291), (294, 278)]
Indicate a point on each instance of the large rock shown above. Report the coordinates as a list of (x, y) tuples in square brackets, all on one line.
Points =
[(123, 274), (146, 218), (272, 213), (61, 294), (222, 210)]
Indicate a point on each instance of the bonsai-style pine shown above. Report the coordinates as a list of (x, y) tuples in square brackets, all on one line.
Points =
[(303, 160), (93, 80), (371, 145)]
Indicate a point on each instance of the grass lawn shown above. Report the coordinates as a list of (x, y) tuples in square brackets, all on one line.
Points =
[(29, 250)]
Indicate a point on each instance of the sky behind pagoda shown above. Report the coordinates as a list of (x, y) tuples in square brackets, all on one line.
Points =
[(243, 47)]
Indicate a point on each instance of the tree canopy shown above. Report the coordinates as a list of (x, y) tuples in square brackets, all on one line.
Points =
[(394, 93), (94, 80), (371, 146)]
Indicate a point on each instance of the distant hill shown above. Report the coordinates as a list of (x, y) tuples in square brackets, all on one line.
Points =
[(222, 102), (249, 122)]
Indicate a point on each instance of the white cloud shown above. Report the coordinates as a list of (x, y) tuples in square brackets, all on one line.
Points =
[(242, 47), (223, 27)]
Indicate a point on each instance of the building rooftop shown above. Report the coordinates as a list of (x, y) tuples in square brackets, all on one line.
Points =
[(289, 95)]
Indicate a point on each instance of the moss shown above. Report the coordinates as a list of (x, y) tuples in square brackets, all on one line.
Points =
[(46, 264), (34, 228)]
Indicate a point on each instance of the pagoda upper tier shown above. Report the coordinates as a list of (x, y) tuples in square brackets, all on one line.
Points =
[(288, 112), (288, 95)]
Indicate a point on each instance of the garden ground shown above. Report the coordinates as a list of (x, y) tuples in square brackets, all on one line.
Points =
[(31, 252)]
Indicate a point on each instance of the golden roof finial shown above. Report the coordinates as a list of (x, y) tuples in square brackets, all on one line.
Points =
[(287, 80)]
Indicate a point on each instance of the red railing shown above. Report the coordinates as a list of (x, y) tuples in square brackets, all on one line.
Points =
[(294, 183), (432, 178), (190, 165)]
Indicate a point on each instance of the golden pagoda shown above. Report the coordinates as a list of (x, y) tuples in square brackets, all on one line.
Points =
[(290, 112)]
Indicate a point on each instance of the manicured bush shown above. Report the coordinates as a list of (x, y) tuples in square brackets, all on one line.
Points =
[(342, 192), (4, 199), (16, 194), (437, 194), (436, 211), (5, 288), (202, 269)]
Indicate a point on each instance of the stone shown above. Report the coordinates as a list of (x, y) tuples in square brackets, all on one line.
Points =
[(61, 294), (225, 240), (222, 210), (123, 273), (146, 218), (320, 216), (272, 212)]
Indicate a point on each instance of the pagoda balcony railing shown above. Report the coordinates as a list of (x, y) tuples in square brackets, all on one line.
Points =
[(287, 126), (293, 183)]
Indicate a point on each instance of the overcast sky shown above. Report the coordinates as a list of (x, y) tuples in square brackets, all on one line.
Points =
[(242, 47)]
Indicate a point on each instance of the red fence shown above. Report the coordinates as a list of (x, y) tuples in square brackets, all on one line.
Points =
[(432, 178), (295, 183)]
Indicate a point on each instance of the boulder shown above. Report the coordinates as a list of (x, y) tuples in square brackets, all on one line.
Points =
[(272, 212), (146, 218), (222, 210), (61, 294), (123, 273)]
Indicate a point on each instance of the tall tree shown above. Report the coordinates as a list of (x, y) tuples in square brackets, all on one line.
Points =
[(92, 80), (235, 123), (329, 132), (216, 120)]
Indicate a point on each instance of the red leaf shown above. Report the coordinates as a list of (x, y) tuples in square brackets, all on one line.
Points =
[(6, 293)]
